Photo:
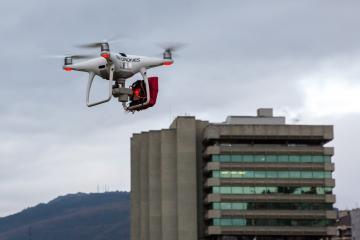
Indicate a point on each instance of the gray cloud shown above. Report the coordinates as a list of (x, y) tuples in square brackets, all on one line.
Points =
[(241, 55)]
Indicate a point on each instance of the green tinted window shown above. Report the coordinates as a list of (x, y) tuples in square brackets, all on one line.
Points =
[(271, 158), (271, 190), (225, 174), (271, 174), (216, 205), (236, 158), (283, 158), (239, 222), (306, 159), (260, 174), (294, 174), (225, 190), (328, 175), (215, 158), (283, 174), (237, 190), (259, 158), (248, 158), (328, 190), (216, 189), (318, 174), (248, 174), (306, 174), (216, 174), (225, 158), (318, 159), (327, 159), (294, 159), (225, 206)]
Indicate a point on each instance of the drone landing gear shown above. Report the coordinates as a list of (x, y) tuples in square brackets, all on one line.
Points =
[(88, 89)]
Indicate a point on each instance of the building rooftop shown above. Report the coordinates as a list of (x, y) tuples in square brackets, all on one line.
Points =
[(264, 117)]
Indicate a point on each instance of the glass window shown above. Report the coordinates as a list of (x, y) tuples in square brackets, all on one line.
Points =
[(260, 174), (306, 174), (239, 206), (226, 222), (259, 158), (271, 158), (271, 190), (225, 158), (294, 159), (236, 174), (328, 190), (260, 190), (320, 190), (216, 222), (318, 159), (236, 158), (247, 158), (327, 159), (249, 174), (248, 190), (294, 174), (318, 174), (237, 190), (283, 158), (215, 158), (225, 174), (225, 190), (271, 174), (225, 206), (283, 174), (216, 205), (239, 222), (328, 175), (306, 159), (216, 174), (216, 189)]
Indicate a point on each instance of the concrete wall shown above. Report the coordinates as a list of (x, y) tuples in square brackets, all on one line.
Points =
[(154, 185), (168, 185), (135, 187), (164, 182)]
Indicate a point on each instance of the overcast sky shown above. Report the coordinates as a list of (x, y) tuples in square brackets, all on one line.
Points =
[(300, 57)]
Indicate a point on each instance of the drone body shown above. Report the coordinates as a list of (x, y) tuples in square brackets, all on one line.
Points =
[(116, 68)]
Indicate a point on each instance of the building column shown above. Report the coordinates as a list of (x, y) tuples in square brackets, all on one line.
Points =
[(144, 187), (154, 186), (168, 185), (135, 187)]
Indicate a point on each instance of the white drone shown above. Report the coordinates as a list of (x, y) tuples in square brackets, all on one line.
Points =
[(116, 68)]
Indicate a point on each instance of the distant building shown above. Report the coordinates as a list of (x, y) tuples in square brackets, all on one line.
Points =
[(355, 223), (343, 225), (246, 178)]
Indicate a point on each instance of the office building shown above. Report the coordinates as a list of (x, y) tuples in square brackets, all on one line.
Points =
[(250, 177)]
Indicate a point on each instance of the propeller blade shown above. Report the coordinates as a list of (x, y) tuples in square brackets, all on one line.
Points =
[(90, 45), (75, 56), (172, 46), (112, 40)]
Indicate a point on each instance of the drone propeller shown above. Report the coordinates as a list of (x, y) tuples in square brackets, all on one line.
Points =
[(98, 44), (170, 48), (75, 56)]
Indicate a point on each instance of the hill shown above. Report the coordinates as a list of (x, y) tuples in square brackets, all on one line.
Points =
[(94, 216)]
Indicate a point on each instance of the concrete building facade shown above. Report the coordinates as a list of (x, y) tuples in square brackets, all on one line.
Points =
[(245, 178)]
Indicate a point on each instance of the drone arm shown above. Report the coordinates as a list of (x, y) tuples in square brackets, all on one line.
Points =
[(88, 89)]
